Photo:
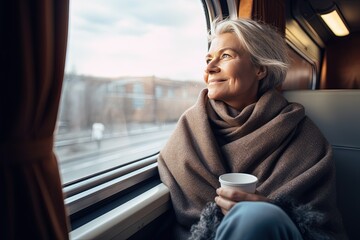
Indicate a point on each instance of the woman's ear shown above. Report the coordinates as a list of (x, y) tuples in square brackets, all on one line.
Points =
[(261, 73)]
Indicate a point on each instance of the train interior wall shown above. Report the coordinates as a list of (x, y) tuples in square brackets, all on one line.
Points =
[(341, 68)]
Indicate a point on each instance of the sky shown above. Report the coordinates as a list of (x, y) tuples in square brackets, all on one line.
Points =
[(115, 38)]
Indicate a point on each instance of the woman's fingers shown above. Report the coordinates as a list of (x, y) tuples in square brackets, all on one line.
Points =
[(228, 197), (224, 204), (233, 194)]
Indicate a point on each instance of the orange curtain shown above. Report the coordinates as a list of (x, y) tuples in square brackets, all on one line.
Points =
[(245, 8), (33, 48), (268, 11)]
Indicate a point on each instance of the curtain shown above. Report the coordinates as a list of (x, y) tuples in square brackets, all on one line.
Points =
[(271, 12), (268, 11), (33, 48), (245, 8)]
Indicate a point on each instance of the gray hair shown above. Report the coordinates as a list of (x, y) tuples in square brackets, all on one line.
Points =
[(265, 45)]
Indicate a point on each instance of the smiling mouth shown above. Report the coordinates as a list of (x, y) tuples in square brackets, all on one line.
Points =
[(216, 81)]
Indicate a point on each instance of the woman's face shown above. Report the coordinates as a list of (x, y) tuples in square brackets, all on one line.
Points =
[(230, 75)]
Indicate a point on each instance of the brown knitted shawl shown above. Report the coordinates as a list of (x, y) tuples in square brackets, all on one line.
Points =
[(272, 139)]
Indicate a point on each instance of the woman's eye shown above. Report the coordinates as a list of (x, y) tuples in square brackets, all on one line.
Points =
[(208, 61), (225, 55)]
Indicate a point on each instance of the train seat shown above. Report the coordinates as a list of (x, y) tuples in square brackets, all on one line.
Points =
[(337, 114)]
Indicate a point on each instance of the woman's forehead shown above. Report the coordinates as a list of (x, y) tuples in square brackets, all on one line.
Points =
[(225, 41)]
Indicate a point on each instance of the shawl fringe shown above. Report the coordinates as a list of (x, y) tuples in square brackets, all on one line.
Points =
[(210, 218)]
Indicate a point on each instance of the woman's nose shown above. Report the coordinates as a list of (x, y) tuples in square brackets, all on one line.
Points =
[(212, 67)]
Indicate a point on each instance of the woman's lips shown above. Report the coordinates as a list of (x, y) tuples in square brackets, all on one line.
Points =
[(216, 81)]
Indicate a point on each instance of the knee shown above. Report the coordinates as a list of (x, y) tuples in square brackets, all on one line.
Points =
[(252, 219), (261, 214)]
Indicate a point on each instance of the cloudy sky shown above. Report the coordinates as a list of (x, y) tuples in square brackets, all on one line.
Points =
[(114, 38)]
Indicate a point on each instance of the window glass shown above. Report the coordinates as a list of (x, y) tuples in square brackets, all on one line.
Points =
[(132, 68)]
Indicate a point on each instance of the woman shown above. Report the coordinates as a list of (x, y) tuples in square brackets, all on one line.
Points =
[(240, 123)]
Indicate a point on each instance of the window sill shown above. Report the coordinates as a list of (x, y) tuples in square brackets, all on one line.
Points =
[(128, 218)]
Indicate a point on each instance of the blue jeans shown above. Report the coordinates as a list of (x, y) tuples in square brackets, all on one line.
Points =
[(257, 220)]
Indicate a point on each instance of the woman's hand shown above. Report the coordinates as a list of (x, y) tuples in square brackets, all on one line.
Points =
[(228, 197)]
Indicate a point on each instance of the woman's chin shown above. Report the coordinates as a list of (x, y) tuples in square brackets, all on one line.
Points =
[(213, 95)]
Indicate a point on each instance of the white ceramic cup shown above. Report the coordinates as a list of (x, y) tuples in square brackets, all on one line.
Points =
[(243, 181)]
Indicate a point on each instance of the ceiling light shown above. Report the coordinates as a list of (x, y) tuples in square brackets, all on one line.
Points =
[(335, 23)]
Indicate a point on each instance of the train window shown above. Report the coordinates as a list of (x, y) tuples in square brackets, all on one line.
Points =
[(128, 66)]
